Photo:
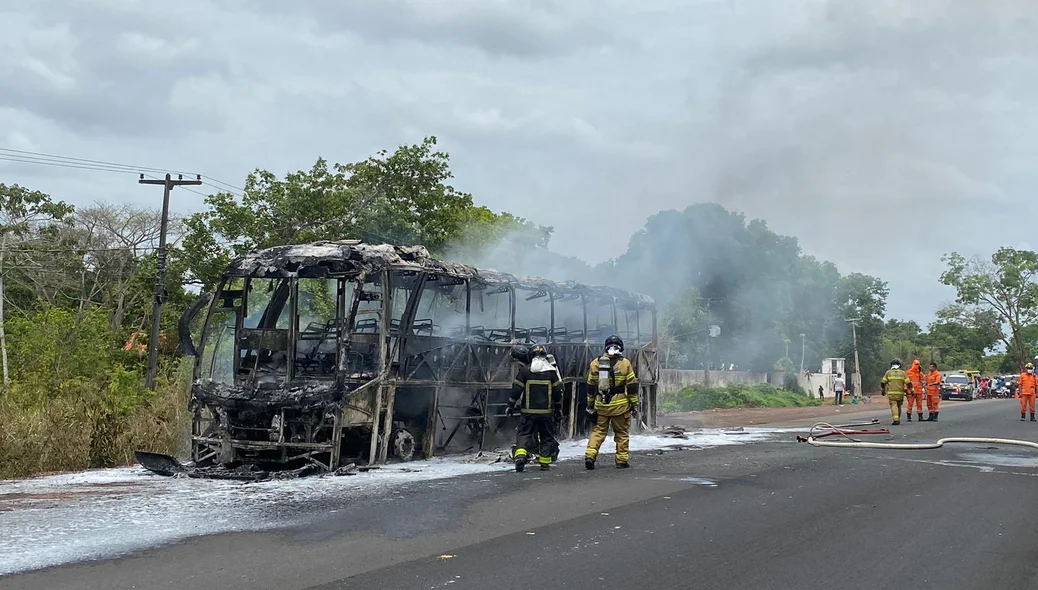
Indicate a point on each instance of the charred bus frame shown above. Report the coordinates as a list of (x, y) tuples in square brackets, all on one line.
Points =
[(343, 351)]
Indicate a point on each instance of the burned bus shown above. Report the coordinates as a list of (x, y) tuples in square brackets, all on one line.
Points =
[(347, 352)]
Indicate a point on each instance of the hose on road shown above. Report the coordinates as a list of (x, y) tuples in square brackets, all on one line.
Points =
[(821, 429)]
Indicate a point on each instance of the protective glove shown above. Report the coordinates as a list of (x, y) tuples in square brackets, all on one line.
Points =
[(634, 411), (590, 411), (510, 411)]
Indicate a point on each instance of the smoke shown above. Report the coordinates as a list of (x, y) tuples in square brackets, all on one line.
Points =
[(517, 253), (846, 118)]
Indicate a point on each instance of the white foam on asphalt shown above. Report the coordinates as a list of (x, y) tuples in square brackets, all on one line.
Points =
[(60, 519)]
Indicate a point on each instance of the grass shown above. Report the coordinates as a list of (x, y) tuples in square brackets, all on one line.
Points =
[(69, 434), (698, 398)]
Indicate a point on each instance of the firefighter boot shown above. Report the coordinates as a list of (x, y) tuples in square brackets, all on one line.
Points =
[(589, 463), (909, 416), (936, 415), (919, 416), (622, 465), (1032, 417), (1023, 416), (930, 417), (520, 464)]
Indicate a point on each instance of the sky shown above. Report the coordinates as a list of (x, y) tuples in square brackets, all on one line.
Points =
[(881, 133)]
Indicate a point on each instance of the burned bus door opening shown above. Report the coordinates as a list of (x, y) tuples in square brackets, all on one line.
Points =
[(434, 352)]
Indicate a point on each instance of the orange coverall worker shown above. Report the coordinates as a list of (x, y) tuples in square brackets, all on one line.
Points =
[(933, 393), (915, 397), (1028, 389)]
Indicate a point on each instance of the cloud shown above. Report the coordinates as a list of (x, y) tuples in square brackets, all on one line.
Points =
[(500, 28), (881, 133)]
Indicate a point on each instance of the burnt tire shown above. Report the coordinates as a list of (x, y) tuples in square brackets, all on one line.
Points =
[(403, 445)]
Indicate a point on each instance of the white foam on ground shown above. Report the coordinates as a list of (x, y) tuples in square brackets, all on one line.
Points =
[(106, 513)]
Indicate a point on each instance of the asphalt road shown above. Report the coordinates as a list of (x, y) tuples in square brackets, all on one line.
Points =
[(777, 514)]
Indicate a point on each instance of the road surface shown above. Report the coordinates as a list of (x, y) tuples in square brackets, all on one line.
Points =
[(776, 514)]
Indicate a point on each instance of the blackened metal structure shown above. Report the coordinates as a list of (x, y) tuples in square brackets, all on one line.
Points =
[(336, 352)]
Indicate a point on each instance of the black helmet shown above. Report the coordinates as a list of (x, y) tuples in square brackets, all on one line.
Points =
[(615, 340), (521, 353), (538, 350)]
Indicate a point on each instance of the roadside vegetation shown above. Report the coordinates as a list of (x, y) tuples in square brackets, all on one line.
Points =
[(698, 398), (76, 287)]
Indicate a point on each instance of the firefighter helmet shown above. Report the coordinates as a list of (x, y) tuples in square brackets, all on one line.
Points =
[(896, 363), (616, 341), (521, 353), (538, 350)]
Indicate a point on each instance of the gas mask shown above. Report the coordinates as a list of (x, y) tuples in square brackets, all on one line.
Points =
[(895, 366), (613, 350), (1030, 370)]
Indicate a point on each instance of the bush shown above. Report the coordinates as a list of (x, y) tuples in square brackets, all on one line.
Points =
[(77, 400), (698, 398), (792, 384)]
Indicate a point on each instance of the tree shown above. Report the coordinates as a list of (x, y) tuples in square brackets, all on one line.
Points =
[(1004, 284), (682, 328), (401, 198), (763, 289), (865, 298), (22, 211)]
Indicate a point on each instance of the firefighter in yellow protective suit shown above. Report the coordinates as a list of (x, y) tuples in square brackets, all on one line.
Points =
[(612, 398), (894, 385)]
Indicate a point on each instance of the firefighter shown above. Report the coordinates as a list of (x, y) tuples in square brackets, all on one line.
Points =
[(915, 398), (933, 393), (537, 395), (1028, 388), (612, 398), (894, 385)]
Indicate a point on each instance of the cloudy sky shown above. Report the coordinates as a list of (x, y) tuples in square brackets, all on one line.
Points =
[(882, 133)]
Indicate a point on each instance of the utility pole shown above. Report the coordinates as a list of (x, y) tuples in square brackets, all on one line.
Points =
[(857, 366), (706, 367), (160, 279), (803, 351), (710, 333)]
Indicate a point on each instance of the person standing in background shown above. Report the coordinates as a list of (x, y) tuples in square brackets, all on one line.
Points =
[(838, 386), (894, 386), (933, 393), (915, 397)]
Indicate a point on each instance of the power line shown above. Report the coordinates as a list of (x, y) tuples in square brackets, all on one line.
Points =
[(64, 164), (29, 157)]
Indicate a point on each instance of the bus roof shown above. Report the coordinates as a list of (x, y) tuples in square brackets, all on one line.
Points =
[(351, 257)]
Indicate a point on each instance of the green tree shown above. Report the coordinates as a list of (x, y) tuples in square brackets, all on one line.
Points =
[(1004, 284), (865, 298), (682, 328), (22, 211), (403, 198)]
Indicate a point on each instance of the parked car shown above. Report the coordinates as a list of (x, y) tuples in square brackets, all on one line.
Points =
[(958, 386)]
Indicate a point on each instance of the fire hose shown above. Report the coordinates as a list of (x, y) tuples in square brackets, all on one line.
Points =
[(823, 429)]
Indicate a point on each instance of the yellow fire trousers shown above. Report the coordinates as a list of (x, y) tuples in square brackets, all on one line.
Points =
[(896, 400), (621, 436)]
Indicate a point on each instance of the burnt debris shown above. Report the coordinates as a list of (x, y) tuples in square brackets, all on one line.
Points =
[(337, 353)]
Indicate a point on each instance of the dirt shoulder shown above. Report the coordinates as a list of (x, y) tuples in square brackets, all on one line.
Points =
[(791, 417)]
